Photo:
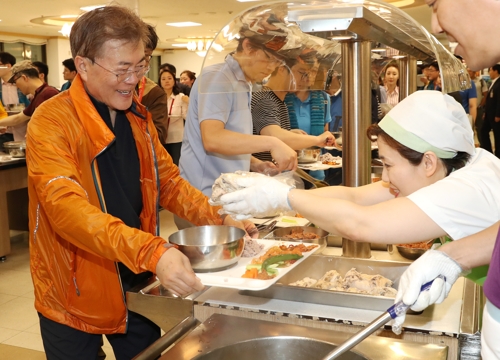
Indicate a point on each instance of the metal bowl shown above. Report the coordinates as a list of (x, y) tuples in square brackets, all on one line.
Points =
[(210, 248), (410, 253), (308, 155), (16, 149), (282, 232)]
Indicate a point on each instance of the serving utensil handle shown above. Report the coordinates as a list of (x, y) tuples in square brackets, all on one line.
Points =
[(391, 313)]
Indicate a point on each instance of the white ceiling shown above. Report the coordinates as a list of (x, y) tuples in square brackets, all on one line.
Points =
[(212, 14)]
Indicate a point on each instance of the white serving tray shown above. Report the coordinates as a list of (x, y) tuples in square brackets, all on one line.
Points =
[(231, 278), (8, 158)]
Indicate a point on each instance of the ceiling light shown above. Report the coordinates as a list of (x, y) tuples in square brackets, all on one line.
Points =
[(91, 7), (398, 56), (66, 29), (180, 45), (379, 50), (184, 24), (69, 16)]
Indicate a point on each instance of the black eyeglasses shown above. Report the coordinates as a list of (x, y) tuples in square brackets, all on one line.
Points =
[(125, 75)]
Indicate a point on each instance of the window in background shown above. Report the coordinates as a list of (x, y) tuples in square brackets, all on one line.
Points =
[(24, 51)]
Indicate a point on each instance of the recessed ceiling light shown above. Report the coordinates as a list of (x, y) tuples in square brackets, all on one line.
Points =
[(91, 7), (184, 24)]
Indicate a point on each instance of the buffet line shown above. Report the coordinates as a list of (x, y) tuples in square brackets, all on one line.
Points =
[(311, 297)]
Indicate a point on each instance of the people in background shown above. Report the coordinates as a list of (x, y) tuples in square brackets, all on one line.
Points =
[(185, 89), (43, 70), (481, 90), (69, 73), (270, 114), (97, 175), (187, 78), (10, 95), (422, 76), (150, 94), (389, 93), (176, 114), (25, 76), (492, 113), (433, 77), (309, 110)]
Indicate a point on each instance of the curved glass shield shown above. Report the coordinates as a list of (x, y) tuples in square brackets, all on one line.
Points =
[(291, 47)]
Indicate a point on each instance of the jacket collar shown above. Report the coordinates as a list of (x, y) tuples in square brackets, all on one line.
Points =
[(92, 122)]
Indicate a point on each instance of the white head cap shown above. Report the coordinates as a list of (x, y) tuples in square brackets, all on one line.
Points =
[(429, 120)]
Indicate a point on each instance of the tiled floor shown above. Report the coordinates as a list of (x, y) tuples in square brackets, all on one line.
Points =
[(19, 331)]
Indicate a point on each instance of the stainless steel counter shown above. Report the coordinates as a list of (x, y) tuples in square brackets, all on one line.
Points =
[(453, 323), (227, 338)]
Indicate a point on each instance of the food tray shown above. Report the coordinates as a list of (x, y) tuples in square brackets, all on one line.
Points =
[(231, 278), (282, 221), (318, 165), (317, 265), (8, 158)]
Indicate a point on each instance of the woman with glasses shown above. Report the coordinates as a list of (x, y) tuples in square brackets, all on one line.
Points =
[(177, 110)]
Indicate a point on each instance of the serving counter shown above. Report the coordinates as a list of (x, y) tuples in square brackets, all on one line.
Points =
[(13, 176), (453, 323)]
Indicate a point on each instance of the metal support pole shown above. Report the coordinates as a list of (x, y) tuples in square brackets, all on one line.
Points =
[(404, 78), (412, 78), (407, 76), (356, 110)]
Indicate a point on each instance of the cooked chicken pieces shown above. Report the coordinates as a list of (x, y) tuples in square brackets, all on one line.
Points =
[(354, 282)]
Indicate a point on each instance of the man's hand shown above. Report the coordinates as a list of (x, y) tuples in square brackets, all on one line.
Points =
[(246, 225), (326, 139), (284, 156), (176, 274), (264, 167)]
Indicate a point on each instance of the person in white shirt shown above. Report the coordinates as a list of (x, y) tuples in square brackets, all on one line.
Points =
[(390, 91), (177, 110)]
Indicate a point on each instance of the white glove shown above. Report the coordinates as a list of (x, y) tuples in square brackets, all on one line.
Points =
[(425, 269), (261, 196)]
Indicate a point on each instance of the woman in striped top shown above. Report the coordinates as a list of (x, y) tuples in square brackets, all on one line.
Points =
[(390, 91)]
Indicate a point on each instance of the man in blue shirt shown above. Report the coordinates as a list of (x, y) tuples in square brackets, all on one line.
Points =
[(218, 134)]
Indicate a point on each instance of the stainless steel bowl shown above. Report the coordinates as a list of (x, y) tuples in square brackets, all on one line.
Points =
[(16, 149), (410, 253), (210, 248), (308, 155), (282, 232)]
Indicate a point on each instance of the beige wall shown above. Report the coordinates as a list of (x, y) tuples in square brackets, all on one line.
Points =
[(182, 60), (57, 51)]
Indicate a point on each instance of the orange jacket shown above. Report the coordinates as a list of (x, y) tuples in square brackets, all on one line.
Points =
[(74, 243)]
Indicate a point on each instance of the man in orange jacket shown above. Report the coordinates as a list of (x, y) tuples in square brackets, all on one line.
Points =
[(97, 174)]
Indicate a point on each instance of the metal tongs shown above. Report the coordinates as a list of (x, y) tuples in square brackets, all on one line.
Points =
[(268, 225), (394, 311)]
